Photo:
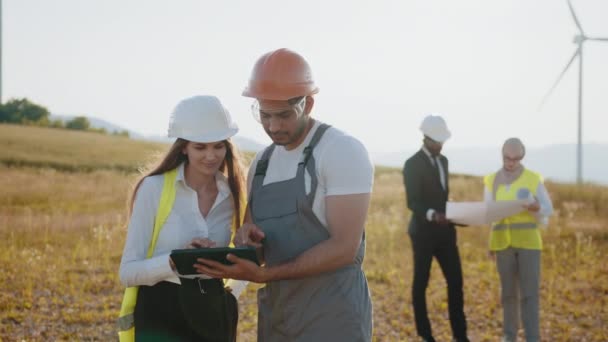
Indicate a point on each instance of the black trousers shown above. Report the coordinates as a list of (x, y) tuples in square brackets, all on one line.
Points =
[(194, 311), (438, 242)]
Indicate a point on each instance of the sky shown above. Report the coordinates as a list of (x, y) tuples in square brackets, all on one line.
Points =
[(381, 65)]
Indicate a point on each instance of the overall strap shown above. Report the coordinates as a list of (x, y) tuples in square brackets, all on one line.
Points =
[(308, 162), (313, 142), (261, 168), (262, 165)]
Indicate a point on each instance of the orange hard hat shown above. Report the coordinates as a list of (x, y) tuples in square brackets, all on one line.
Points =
[(280, 75)]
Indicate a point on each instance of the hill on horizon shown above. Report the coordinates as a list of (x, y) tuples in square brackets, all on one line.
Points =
[(244, 144), (555, 162)]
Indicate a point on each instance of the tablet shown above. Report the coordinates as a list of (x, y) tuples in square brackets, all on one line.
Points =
[(184, 259)]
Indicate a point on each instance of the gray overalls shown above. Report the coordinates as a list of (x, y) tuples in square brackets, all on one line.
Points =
[(333, 306)]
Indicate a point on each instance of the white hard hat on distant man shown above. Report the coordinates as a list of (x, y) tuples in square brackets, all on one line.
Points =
[(434, 127)]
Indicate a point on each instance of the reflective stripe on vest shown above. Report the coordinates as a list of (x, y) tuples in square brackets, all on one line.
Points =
[(519, 230), (524, 225), (125, 322)]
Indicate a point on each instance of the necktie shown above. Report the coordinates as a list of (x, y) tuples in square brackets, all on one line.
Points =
[(440, 172)]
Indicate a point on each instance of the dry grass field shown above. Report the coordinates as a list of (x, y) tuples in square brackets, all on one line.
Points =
[(62, 230), (69, 150)]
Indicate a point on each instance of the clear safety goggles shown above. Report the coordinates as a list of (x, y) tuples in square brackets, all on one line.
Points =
[(296, 109)]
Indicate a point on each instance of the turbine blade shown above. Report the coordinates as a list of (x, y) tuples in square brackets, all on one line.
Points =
[(561, 75), (598, 39), (578, 24)]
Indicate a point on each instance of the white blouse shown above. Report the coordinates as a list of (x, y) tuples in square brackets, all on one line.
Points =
[(184, 223)]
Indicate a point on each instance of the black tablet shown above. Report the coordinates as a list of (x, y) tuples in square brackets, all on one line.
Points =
[(184, 259)]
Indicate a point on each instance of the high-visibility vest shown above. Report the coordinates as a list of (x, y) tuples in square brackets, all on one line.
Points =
[(126, 320), (520, 230)]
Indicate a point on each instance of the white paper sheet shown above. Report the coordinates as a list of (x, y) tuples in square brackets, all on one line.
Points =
[(469, 213), (482, 213)]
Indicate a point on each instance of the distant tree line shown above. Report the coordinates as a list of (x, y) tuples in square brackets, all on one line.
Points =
[(24, 112)]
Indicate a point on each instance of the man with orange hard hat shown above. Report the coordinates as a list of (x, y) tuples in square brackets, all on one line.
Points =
[(309, 193)]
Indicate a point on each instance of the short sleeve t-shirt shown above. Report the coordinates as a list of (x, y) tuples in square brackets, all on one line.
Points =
[(343, 167)]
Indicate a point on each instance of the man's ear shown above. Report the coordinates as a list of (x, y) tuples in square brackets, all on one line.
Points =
[(310, 102)]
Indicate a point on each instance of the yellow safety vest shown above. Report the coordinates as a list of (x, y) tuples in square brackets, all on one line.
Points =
[(520, 230), (126, 320)]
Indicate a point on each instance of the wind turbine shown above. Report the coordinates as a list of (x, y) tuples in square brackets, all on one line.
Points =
[(579, 40)]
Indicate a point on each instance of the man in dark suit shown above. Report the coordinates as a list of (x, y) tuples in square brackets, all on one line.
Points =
[(426, 180)]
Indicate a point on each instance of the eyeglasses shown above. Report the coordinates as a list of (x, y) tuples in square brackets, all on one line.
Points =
[(295, 109), (512, 159)]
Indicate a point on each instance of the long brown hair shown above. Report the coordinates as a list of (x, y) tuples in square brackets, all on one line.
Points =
[(231, 168)]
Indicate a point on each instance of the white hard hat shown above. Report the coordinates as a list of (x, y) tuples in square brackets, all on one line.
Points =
[(201, 119), (434, 127)]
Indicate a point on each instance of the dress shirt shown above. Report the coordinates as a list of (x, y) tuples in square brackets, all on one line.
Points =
[(437, 163), (184, 223)]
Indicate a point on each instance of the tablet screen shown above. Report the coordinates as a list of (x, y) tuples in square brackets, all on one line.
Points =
[(185, 259)]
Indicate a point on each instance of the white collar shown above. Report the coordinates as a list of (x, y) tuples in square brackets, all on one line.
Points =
[(221, 181), (427, 152)]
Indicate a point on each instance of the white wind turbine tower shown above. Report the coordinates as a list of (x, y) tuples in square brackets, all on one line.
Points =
[(579, 40)]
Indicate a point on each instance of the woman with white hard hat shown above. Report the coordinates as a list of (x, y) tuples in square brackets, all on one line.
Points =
[(197, 193)]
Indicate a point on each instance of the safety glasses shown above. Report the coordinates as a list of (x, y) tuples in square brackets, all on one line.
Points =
[(263, 116), (512, 159)]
